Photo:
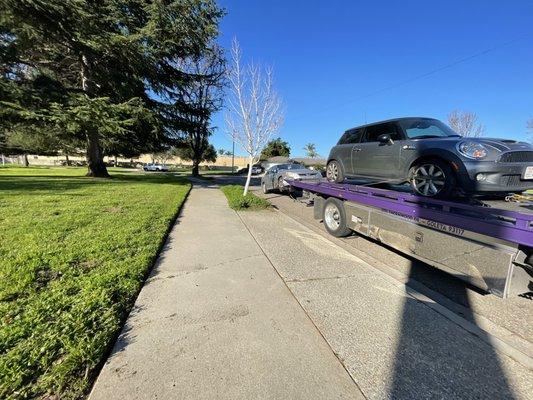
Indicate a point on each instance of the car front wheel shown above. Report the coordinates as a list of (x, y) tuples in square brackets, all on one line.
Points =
[(334, 172), (281, 186), (432, 178), (264, 188)]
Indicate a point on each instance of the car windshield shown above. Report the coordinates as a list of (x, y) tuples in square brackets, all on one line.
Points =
[(419, 128), (289, 166)]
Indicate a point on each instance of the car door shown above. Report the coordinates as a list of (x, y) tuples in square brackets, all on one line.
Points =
[(374, 159), (343, 150)]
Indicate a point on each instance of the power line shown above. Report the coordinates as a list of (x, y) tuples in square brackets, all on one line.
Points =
[(426, 74)]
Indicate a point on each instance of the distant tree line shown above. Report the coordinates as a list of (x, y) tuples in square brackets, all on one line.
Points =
[(113, 77)]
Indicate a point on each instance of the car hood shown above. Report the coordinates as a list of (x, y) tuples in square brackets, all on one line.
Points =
[(499, 144), (504, 144)]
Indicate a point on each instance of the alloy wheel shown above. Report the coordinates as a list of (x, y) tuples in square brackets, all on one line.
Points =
[(332, 172), (428, 180)]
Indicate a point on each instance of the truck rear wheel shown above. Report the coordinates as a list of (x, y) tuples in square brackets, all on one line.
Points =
[(334, 218)]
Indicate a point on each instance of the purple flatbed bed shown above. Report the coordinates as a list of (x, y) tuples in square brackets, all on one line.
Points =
[(488, 246)]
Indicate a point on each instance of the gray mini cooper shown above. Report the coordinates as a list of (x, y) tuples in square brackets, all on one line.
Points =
[(434, 159)]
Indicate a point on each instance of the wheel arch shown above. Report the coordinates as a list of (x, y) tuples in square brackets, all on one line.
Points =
[(447, 157)]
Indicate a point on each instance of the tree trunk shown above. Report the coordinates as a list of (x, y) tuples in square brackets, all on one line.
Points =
[(25, 162), (95, 158), (249, 177), (116, 161), (195, 168), (67, 160)]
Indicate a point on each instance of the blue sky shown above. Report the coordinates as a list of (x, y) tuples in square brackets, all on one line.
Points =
[(339, 64)]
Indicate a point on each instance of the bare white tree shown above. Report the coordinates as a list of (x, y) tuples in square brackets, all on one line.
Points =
[(465, 123), (255, 110), (529, 125)]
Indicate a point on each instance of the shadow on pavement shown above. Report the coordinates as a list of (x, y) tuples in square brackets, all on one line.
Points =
[(436, 359)]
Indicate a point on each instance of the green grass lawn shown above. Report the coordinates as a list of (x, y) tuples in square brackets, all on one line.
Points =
[(239, 202), (74, 252)]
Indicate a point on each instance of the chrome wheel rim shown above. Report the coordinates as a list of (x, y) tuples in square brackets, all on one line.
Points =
[(264, 188), (428, 180), (332, 216), (332, 172)]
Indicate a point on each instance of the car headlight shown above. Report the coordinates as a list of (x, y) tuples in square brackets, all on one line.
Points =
[(472, 150)]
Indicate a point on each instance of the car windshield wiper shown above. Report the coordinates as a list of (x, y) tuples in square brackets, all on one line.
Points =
[(427, 136)]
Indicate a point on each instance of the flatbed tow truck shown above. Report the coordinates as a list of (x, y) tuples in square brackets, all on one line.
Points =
[(489, 247)]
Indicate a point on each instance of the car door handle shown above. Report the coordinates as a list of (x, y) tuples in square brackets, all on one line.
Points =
[(357, 149)]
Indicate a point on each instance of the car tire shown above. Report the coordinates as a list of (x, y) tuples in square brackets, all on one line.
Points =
[(264, 188), (334, 172), (432, 178), (281, 187), (334, 218)]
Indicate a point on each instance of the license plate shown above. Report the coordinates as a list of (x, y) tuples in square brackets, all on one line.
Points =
[(528, 173)]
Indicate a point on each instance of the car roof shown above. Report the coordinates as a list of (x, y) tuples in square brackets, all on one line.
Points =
[(385, 121)]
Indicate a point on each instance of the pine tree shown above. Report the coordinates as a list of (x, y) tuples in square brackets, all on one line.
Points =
[(115, 60)]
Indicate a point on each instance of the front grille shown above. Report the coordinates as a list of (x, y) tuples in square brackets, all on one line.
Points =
[(517, 157), (515, 181)]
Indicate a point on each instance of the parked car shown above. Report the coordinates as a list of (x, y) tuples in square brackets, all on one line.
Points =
[(256, 169), (274, 178), (155, 167), (434, 159)]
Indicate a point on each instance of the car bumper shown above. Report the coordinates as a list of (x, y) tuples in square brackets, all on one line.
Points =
[(492, 177), (308, 179)]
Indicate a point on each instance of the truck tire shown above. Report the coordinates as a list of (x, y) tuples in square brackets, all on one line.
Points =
[(334, 217)]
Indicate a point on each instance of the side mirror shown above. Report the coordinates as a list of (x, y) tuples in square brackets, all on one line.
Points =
[(385, 139)]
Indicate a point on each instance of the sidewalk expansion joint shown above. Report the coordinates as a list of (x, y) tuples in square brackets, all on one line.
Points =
[(302, 307), (297, 280)]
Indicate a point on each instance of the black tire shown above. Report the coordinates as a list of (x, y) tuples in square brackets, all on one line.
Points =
[(264, 189), (281, 187), (334, 172), (439, 176), (334, 217)]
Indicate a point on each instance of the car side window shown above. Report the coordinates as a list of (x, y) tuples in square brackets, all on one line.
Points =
[(372, 132), (351, 136)]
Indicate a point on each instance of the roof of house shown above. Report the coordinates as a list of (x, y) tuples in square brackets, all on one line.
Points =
[(277, 159), (310, 161)]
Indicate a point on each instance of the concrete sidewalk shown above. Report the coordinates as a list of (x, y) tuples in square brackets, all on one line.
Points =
[(215, 320)]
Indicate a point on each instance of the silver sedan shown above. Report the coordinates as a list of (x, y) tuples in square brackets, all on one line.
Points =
[(274, 178)]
